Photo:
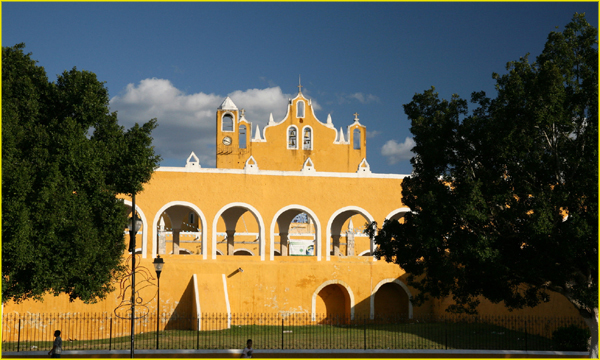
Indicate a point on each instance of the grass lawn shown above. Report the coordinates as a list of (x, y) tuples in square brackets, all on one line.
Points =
[(371, 336)]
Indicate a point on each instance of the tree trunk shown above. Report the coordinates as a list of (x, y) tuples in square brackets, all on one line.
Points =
[(592, 323)]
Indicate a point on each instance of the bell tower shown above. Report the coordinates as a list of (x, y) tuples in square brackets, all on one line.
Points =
[(234, 144), (227, 136)]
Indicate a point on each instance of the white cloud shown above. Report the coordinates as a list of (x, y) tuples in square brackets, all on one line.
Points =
[(362, 98), (372, 134), (396, 152), (186, 122)]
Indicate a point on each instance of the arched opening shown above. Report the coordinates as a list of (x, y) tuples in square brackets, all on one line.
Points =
[(292, 138), (391, 303), (346, 232), (295, 231), (242, 252), (179, 231), (398, 214), (227, 123), (300, 109), (242, 137), (237, 228), (307, 138), (333, 305), (356, 138)]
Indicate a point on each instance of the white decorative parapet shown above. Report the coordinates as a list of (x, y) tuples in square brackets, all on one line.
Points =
[(308, 167), (342, 139), (364, 168), (329, 122), (251, 165), (257, 137), (192, 162)]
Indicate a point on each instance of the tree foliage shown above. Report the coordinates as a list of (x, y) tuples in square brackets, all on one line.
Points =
[(504, 199), (64, 160)]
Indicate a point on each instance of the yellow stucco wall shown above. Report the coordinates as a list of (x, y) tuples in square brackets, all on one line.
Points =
[(250, 204), (272, 151)]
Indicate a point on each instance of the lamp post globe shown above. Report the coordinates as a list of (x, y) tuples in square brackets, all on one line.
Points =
[(158, 266)]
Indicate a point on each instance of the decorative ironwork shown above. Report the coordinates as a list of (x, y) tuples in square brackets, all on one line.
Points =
[(143, 288)]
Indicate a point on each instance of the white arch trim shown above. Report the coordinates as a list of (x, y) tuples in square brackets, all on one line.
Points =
[(145, 228), (311, 214), (185, 252), (304, 128), (178, 203), (364, 252), (233, 120), (359, 210), (323, 285), (238, 250), (395, 281), (261, 227), (397, 211)]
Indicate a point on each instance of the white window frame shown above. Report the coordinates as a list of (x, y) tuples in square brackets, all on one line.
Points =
[(311, 137), (232, 122), (287, 137), (298, 109)]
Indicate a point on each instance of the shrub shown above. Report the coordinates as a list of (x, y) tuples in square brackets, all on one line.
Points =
[(570, 338)]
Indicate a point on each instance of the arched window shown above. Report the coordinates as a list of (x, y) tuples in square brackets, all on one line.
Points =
[(292, 138), (356, 138), (227, 123), (307, 138), (242, 136), (300, 109)]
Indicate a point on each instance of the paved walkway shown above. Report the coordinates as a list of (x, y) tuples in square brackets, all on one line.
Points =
[(304, 354)]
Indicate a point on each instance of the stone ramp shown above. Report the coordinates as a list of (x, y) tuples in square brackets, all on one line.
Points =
[(210, 297)]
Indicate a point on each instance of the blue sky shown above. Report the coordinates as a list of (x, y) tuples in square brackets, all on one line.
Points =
[(178, 61)]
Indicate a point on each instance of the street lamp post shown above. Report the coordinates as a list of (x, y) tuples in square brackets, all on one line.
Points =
[(158, 265), (134, 226)]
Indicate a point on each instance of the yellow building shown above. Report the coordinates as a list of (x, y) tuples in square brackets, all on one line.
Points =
[(275, 228)]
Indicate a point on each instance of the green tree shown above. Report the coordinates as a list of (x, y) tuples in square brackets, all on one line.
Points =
[(504, 199), (64, 160)]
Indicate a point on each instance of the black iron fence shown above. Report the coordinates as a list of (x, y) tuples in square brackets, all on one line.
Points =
[(281, 331)]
